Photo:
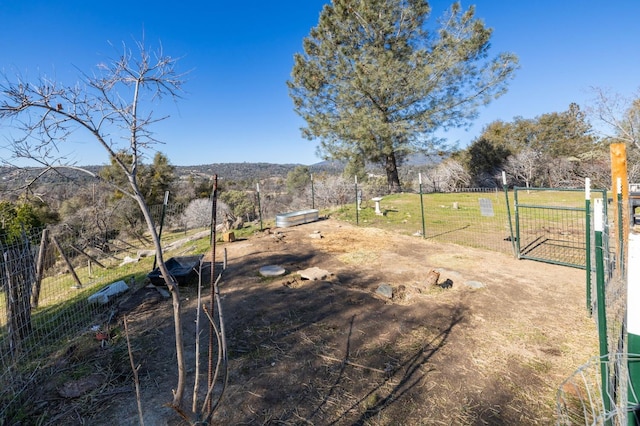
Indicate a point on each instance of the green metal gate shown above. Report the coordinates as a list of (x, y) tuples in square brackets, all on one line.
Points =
[(552, 225)]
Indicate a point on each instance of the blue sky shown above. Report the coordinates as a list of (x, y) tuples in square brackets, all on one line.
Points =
[(239, 54)]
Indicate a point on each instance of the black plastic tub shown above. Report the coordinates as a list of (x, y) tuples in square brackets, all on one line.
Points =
[(183, 268)]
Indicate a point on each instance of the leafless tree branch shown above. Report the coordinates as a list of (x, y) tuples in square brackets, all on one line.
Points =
[(113, 108)]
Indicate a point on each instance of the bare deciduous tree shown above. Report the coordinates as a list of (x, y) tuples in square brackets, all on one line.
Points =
[(523, 166), (198, 215), (620, 115), (333, 191), (447, 176), (114, 107)]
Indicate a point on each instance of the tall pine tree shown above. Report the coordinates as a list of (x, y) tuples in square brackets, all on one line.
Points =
[(375, 81)]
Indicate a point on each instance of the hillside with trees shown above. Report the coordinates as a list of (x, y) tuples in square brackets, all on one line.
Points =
[(556, 149)]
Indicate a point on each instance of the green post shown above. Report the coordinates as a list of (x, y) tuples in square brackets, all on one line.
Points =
[(259, 207), (506, 197), (598, 227), (517, 237), (424, 235), (313, 197), (633, 327), (587, 227), (357, 215)]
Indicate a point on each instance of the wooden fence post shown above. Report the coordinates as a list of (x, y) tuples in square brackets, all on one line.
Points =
[(66, 260)]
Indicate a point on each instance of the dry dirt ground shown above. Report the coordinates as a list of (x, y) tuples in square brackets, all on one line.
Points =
[(491, 349)]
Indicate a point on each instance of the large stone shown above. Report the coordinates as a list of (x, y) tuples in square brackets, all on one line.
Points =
[(453, 275), (474, 284), (146, 253), (385, 290), (129, 259), (314, 274)]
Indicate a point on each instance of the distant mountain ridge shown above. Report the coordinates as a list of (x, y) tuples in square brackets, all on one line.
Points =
[(12, 177), (240, 171)]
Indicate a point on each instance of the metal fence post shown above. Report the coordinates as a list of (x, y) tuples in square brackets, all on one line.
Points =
[(313, 196), (506, 197), (259, 207), (357, 216), (598, 227), (621, 259), (424, 235), (517, 237), (587, 241), (633, 326)]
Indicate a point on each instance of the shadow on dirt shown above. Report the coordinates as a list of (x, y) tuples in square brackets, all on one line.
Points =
[(305, 343), (407, 375)]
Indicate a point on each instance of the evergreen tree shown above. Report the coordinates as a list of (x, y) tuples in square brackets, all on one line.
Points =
[(157, 178), (553, 149), (21, 218), (374, 80), (153, 179), (241, 203), (485, 160), (298, 179)]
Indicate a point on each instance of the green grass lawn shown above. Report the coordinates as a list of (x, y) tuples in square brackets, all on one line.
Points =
[(458, 217)]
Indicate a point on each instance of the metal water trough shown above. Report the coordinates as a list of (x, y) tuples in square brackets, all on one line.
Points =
[(296, 218), (182, 268)]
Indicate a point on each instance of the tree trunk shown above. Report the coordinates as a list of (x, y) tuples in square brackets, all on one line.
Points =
[(391, 167), (172, 285)]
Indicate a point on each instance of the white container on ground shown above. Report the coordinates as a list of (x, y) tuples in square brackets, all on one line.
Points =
[(106, 294), (296, 218)]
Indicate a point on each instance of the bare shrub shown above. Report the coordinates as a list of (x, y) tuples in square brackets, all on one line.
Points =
[(447, 176), (198, 214), (333, 191)]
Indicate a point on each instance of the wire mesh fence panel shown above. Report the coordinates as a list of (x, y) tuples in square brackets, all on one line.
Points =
[(551, 225), (473, 219), (552, 234), (172, 216), (42, 306), (615, 290), (615, 277), (599, 392), (583, 400)]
